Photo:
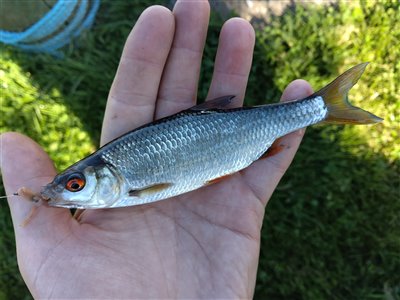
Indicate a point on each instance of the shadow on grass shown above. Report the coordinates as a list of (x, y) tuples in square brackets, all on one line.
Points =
[(85, 73), (330, 227)]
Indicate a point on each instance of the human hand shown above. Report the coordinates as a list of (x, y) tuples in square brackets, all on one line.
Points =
[(201, 244)]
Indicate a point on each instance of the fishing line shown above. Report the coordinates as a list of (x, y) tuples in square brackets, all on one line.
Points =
[(13, 195)]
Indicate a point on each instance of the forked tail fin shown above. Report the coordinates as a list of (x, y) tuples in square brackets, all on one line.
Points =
[(335, 96)]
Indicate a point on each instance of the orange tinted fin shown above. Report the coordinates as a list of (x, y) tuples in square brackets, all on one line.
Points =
[(276, 148), (335, 96), (218, 179), (157, 188), (217, 103)]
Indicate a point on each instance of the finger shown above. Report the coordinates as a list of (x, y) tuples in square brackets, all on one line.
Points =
[(178, 88), (25, 164), (233, 60), (264, 175), (133, 94)]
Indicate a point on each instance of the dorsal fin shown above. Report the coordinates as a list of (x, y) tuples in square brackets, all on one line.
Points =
[(217, 103)]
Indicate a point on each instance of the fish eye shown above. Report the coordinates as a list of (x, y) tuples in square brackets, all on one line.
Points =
[(75, 182)]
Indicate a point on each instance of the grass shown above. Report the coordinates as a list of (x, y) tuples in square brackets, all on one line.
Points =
[(331, 229)]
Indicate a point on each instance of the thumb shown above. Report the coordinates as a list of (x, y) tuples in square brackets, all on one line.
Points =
[(25, 164)]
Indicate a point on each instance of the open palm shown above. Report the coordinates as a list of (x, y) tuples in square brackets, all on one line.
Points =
[(200, 244)]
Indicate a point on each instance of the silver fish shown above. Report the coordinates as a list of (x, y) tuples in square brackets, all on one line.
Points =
[(194, 148)]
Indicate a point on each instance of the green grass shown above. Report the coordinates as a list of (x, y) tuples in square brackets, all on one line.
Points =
[(332, 228)]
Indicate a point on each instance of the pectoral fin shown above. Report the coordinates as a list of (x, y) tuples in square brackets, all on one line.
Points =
[(152, 189)]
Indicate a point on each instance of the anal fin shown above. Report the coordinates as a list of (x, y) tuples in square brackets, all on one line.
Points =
[(275, 148)]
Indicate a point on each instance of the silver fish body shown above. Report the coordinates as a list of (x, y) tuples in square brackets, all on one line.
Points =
[(186, 151), (193, 148)]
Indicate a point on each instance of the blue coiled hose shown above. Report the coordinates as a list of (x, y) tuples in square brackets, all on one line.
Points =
[(65, 20)]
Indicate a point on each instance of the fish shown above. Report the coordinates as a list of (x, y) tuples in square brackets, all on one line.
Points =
[(195, 148)]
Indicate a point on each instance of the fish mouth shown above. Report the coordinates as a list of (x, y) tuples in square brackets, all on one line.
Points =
[(47, 195), (44, 195), (57, 202), (51, 198)]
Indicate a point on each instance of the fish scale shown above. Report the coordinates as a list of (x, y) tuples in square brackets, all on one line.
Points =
[(194, 148), (209, 145)]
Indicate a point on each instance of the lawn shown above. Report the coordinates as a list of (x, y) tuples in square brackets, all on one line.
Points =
[(332, 228)]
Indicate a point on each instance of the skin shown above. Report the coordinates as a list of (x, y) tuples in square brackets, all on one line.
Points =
[(203, 244)]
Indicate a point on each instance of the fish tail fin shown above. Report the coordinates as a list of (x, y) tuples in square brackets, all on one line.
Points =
[(335, 96)]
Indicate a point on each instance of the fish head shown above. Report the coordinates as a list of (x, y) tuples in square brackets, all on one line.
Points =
[(82, 186)]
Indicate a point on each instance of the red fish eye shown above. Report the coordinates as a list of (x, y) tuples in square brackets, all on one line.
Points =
[(75, 184)]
